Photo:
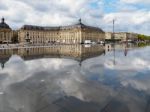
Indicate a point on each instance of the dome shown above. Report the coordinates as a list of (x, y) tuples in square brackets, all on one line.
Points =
[(3, 25)]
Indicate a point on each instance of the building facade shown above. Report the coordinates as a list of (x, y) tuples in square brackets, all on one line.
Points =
[(121, 36), (6, 32), (73, 34)]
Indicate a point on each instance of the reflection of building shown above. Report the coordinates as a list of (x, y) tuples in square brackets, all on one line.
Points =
[(121, 36), (77, 52), (123, 46), (5, 54), (6, 33), (115, 48), (74, 34)]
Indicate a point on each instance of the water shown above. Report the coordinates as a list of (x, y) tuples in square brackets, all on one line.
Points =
[(75, 78)]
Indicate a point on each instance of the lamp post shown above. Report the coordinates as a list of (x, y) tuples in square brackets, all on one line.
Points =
[(113, 30), (114, 41)]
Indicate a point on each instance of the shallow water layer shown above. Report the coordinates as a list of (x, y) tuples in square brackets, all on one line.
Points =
[(75, 78)]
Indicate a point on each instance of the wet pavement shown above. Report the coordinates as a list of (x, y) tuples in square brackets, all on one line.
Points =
[(75, 78)]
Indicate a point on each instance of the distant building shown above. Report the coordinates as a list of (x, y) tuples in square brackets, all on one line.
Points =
[(6, 32), (121, 36), (73, 34)]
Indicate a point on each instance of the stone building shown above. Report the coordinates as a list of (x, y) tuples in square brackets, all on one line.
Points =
[(121, 36), (6, 32), (73, 34)]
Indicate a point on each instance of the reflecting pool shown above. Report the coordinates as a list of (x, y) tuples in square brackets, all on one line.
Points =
[(75, 78)]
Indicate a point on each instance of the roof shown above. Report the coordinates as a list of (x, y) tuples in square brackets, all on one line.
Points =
[(78, 25), (33, 27), (3, 25), (81, 25)]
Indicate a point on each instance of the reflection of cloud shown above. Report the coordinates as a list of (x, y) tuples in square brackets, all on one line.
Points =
[(135, 60), (18, 70), (135, 64), (15, 69), (76, 85), (136, 84), (140, 84), (59, 76)]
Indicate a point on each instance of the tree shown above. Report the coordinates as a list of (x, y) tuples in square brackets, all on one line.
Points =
[(143, 37)]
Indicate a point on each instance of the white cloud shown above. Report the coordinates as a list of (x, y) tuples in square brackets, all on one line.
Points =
[(136, 65), (135, 1), (65, 12), (133, 21), (48, 12)]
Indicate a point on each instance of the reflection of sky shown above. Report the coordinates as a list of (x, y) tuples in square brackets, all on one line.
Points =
[(134, 61), (61, 84)]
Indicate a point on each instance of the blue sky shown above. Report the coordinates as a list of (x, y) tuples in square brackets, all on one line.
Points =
[(130, 15)]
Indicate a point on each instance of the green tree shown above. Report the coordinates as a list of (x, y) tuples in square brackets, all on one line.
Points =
[(143, 37)]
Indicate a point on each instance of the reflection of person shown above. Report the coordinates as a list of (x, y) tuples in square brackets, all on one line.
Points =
[(2, 65), (104, 53), (80, 63), (108, 48), (125, 51)]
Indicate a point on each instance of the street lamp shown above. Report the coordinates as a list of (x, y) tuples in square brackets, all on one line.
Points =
[(114, 41), (113, 30)]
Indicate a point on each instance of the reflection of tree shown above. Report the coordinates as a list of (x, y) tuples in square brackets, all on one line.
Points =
[(143, 44)]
